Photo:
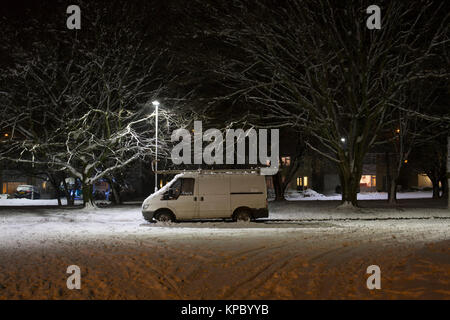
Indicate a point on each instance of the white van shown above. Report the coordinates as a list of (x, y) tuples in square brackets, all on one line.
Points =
[(239, 195)]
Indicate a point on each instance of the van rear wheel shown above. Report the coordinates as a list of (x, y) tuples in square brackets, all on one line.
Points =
[(242, 215), (165, 216)]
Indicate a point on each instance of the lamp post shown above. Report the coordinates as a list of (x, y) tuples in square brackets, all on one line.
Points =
[(32, 178), (156, 104)]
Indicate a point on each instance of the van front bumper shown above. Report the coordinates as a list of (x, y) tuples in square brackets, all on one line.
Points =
[(260, 213), (148, 215)]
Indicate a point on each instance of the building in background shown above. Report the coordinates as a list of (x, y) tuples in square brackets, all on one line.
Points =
[(322, 175)]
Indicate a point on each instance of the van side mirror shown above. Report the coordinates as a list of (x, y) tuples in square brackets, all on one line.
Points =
[(170, 194), (165, 196)]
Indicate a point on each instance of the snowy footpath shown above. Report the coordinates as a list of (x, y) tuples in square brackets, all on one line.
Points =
[(299, 252)]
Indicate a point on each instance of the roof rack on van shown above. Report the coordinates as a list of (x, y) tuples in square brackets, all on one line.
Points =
[(212, 171)]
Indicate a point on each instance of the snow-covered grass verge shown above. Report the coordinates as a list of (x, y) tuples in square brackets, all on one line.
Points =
[(35, 202), (309, 195), (41, 202), (292, 195), (298, 210)]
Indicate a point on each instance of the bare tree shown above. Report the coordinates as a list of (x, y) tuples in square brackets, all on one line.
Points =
[(315, 66), (431, 159), (85, 109), (410, 130)]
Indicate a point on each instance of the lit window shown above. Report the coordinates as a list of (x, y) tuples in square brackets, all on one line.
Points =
[(160, 183), (305, 181), (299, 182), (365, 181), (286, 161), (368, 181)]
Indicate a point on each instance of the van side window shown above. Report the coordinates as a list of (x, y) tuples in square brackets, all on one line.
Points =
[(187, 186)]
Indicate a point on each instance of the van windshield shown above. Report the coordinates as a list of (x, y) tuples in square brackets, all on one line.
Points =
[(183, 187)]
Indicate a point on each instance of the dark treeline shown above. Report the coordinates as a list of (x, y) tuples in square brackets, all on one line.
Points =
[(311, 68)]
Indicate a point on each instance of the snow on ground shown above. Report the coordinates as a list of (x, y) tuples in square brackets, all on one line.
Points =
[(300, 252), (35, 202), (310, 194), (324, 210), (307, 195)]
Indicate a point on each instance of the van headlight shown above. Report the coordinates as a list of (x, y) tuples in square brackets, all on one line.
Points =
[(145, 206)]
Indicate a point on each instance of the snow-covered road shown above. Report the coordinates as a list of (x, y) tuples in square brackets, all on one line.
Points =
[(299, 252)]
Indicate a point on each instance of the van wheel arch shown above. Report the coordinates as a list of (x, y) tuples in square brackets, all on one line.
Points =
[(169, 212), (242, 210)]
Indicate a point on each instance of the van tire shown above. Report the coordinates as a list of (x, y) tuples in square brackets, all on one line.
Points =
[(165, 216), (242, 215)]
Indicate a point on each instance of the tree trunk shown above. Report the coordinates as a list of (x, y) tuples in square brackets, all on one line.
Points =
[(55, 184), (435, 188), (58, 198), (69, 197), (278, 187), (448, 172), (116, 195), (389, 180), (350, 184), (442, 181), (448, 190), (88, 198), (392, 191)]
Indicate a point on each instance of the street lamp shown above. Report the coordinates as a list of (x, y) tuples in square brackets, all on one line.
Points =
[(32, 178), (156, 104)]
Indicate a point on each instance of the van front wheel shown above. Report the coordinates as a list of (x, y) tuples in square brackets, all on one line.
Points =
[(165, 216), (242, 215)]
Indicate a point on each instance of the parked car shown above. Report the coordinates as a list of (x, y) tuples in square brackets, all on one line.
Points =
[(198, 195), (27, 191)]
